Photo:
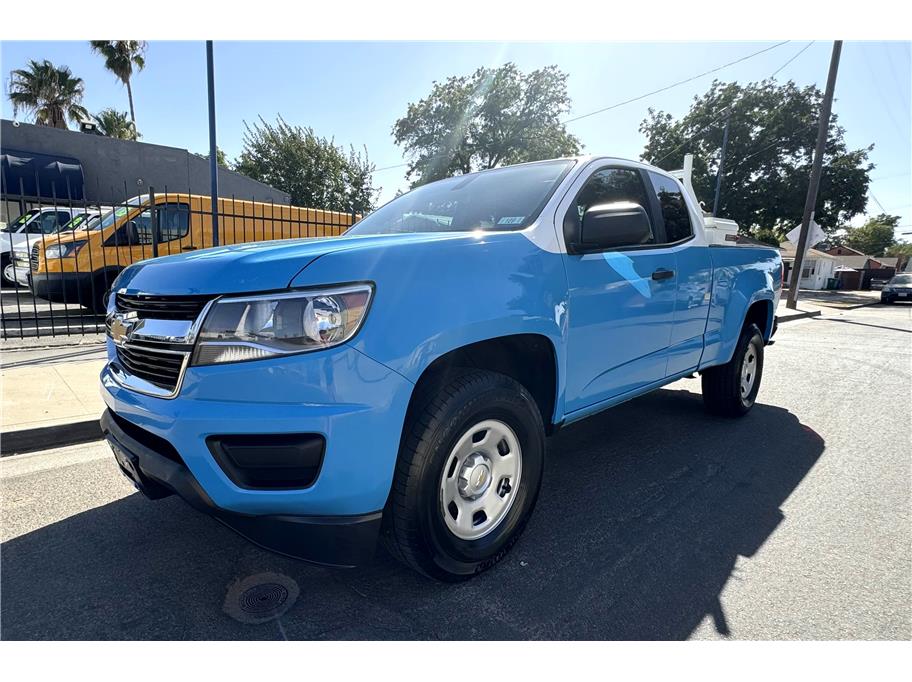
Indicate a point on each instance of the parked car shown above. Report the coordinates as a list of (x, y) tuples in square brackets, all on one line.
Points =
[(18, 268), (79, 267), (32, 226), (399, 381), (899, 288)]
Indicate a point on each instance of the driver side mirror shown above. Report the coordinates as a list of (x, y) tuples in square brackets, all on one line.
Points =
[(131, 233), (614, 225)]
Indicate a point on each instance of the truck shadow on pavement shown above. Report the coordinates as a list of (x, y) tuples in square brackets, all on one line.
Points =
[(644, 512)]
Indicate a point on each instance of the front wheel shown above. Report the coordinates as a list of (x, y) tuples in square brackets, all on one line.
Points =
[(731, 389), (467, 477)]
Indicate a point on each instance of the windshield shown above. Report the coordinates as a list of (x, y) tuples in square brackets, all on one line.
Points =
[(76, 222), (901, 279), (108, 219), (20, 221), (502, 199)]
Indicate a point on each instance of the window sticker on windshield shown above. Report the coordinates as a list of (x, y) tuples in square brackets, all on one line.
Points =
[(511, 220)]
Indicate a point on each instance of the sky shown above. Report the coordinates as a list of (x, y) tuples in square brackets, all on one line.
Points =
[(354, 92)]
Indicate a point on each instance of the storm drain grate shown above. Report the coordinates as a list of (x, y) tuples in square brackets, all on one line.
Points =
[(260, 598)]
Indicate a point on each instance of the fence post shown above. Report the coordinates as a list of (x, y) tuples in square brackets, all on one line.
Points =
[(153, 219), (213, 147)]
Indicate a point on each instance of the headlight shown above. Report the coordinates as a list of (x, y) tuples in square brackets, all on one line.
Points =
[(62, 250), (887, 288), (254, 327)]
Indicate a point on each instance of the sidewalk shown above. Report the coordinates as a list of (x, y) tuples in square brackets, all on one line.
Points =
[(812, 303), (50, 397)]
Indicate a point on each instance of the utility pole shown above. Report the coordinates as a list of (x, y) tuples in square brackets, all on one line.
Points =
[(816, 169), (213, 147), (721, 165)]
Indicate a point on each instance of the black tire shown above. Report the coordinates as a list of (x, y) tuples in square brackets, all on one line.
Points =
[(415, 530), (5, 259), (722, 390)]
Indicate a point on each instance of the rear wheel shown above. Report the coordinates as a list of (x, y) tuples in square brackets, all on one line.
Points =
[(468, 475), (4, 261), (731, 389)]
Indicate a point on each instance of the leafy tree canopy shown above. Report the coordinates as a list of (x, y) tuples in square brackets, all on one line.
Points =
[(51, 94), (493, 117), (116, 124), (772, 134), (312, 169), (902, 249), (220, 158), (875, 236)]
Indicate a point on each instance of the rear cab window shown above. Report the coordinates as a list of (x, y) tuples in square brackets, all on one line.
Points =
[(675, 214)]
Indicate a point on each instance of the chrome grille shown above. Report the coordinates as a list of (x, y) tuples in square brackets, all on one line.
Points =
[(157, 366), (162, 307), (34, 257)]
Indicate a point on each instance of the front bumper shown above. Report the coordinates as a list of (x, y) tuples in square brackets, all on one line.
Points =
[(17, 273), (62, 287), (336, 541), (356, 404)]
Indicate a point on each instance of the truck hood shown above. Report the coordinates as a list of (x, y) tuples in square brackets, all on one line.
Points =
[(248, 268), (9, 241)]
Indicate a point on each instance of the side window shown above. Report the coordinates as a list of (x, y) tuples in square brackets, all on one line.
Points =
[(37, 225), (606, 186), (674, 209), (144, 226), (173, 221)]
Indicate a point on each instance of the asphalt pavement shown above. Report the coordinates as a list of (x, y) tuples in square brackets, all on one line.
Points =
[(656, 521)]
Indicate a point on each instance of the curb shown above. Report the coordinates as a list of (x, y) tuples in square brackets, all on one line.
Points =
[(798, 316), (47, 437)]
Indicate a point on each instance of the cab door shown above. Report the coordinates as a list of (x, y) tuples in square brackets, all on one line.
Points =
[(621, 301)]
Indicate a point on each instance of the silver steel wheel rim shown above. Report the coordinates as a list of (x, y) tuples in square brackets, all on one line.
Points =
[(480, 479), (748, 370)]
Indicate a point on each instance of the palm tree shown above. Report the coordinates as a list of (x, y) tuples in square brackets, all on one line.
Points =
[(120, 58), (116, 124), (52, 94)]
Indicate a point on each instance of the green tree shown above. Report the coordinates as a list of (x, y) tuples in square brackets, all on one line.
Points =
[(120, 57), (117, 124), (875, 236), (772, 133), (52, 94), (220, 158), (311, 169), (493, 117), (902, 251)]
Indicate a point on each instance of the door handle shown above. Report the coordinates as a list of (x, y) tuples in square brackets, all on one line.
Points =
[(663, 274)]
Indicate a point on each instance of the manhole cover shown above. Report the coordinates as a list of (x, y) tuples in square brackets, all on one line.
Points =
[(260, 598)]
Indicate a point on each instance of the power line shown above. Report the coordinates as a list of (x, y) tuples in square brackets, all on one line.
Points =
[(674, 85), (398, 165), (880, 205), (724, 115), (797, 54)]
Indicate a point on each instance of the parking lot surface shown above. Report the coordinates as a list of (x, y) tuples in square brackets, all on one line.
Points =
[(656, 521)]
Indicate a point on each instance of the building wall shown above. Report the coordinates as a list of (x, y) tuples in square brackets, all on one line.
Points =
[(821, 268), (119, 169)]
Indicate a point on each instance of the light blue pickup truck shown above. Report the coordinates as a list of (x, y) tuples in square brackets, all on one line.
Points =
[(398, 382)]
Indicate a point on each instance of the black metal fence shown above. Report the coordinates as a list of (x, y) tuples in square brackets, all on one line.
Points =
[(60, 256)]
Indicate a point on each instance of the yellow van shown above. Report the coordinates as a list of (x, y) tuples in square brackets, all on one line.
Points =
[(79, 266)]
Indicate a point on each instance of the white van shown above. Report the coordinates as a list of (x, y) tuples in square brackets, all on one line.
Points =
[(33, 225)]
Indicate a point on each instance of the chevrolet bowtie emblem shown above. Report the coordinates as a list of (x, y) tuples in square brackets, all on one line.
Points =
[(121, 326)]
